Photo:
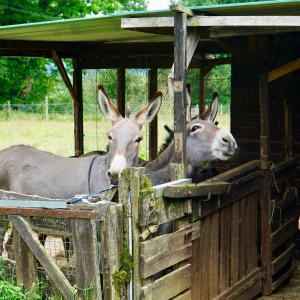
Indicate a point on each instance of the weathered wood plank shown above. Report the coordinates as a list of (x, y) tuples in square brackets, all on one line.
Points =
[(26, 271), (284, 277), (56, 275), (239, 171), (87, 257), (243, 238), (155, 265), (224, 272), (180, 101), (166, 244), (136, 175), (251, 236), (266, 251), (153, 134), (78, 108), (204, 254), (284, 70), (184, 296), (235, 243), (169, 285), (246, 282), (195, 190), (195, 270), (283, 259), (159, 189), (50, 213), (218, 21), (213, 272), (182, 9), (284, 233)]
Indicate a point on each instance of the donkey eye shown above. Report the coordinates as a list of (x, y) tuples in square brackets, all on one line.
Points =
[(138, 139), (109, 137), (195, 127)]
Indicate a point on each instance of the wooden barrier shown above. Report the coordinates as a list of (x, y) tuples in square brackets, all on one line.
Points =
[(173, 241)]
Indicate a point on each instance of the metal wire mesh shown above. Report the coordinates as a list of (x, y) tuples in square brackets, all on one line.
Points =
[(55, 235)]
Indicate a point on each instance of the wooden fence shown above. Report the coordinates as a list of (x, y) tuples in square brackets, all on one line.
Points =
[(174, 241)]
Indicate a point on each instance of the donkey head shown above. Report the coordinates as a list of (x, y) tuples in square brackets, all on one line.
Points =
[(205, 141), (125, 134)]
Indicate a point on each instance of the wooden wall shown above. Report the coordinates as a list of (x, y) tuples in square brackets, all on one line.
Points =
[(245, 124)]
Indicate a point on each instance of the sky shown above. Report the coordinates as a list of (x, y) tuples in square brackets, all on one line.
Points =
[(158, 4)]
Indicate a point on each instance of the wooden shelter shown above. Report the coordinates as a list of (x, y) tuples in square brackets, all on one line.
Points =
[(242, 238)]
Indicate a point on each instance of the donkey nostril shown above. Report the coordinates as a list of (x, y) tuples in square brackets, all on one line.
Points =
[(108, 174), (225, 140)]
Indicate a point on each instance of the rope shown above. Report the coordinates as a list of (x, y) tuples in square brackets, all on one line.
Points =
[(79, 199), (272, 165)]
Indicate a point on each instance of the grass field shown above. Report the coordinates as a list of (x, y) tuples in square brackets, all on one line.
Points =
[(57, 134)]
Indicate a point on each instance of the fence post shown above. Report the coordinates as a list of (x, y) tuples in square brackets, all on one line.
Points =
[(46, 108), (266, 250), (87, 258), (26, 271)]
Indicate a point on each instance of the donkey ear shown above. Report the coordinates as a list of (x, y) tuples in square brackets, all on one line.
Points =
[(147, 114), (211, 113), (188, 103), (109, 111)]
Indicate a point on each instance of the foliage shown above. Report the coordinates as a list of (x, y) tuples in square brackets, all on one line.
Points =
[(29, 80)]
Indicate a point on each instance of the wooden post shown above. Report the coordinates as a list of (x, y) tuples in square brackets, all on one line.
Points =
[(84, 234), (136, 175), (180, 39), (78, 108), (112, 250), (202, 91), (121, 91), (152, 88), (266, 249), (26, 271)]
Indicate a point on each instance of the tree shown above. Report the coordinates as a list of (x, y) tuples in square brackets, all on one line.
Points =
[(27, 80)]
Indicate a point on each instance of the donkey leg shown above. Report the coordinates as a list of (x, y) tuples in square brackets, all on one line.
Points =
[(68, 245), (42, 238)]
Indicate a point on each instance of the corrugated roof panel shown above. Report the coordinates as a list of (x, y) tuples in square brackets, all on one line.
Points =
[(107, 28)]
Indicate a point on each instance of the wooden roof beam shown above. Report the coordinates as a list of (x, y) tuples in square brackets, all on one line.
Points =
[(182, 9), (213, 21), (286, 69), (63, 73)]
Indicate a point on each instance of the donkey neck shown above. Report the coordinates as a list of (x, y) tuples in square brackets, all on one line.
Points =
[(98, 179)]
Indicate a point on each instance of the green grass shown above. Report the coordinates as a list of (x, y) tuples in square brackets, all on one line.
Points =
[(57, 134)]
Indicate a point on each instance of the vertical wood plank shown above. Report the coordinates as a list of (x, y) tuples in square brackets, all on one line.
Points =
[(135, 186), (235, 243), (204, 255), (86, 250), (78, 108), (112, 246), (195, 269), (252, 232), (214, 256), (224, 273), (180, 38), (26, 271), (243, 238), (202, 91), (153, 137), (266, 252), (121, 90)]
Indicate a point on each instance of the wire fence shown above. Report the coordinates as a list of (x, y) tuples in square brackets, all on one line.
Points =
[(95, 125)]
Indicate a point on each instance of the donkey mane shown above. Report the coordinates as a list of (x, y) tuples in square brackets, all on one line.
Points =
[(168, 139)]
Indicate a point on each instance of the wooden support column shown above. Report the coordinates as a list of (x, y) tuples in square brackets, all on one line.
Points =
[(121, 90), (202, 90), (180, 38), (153, 138), (78, 108), (266, 249)]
